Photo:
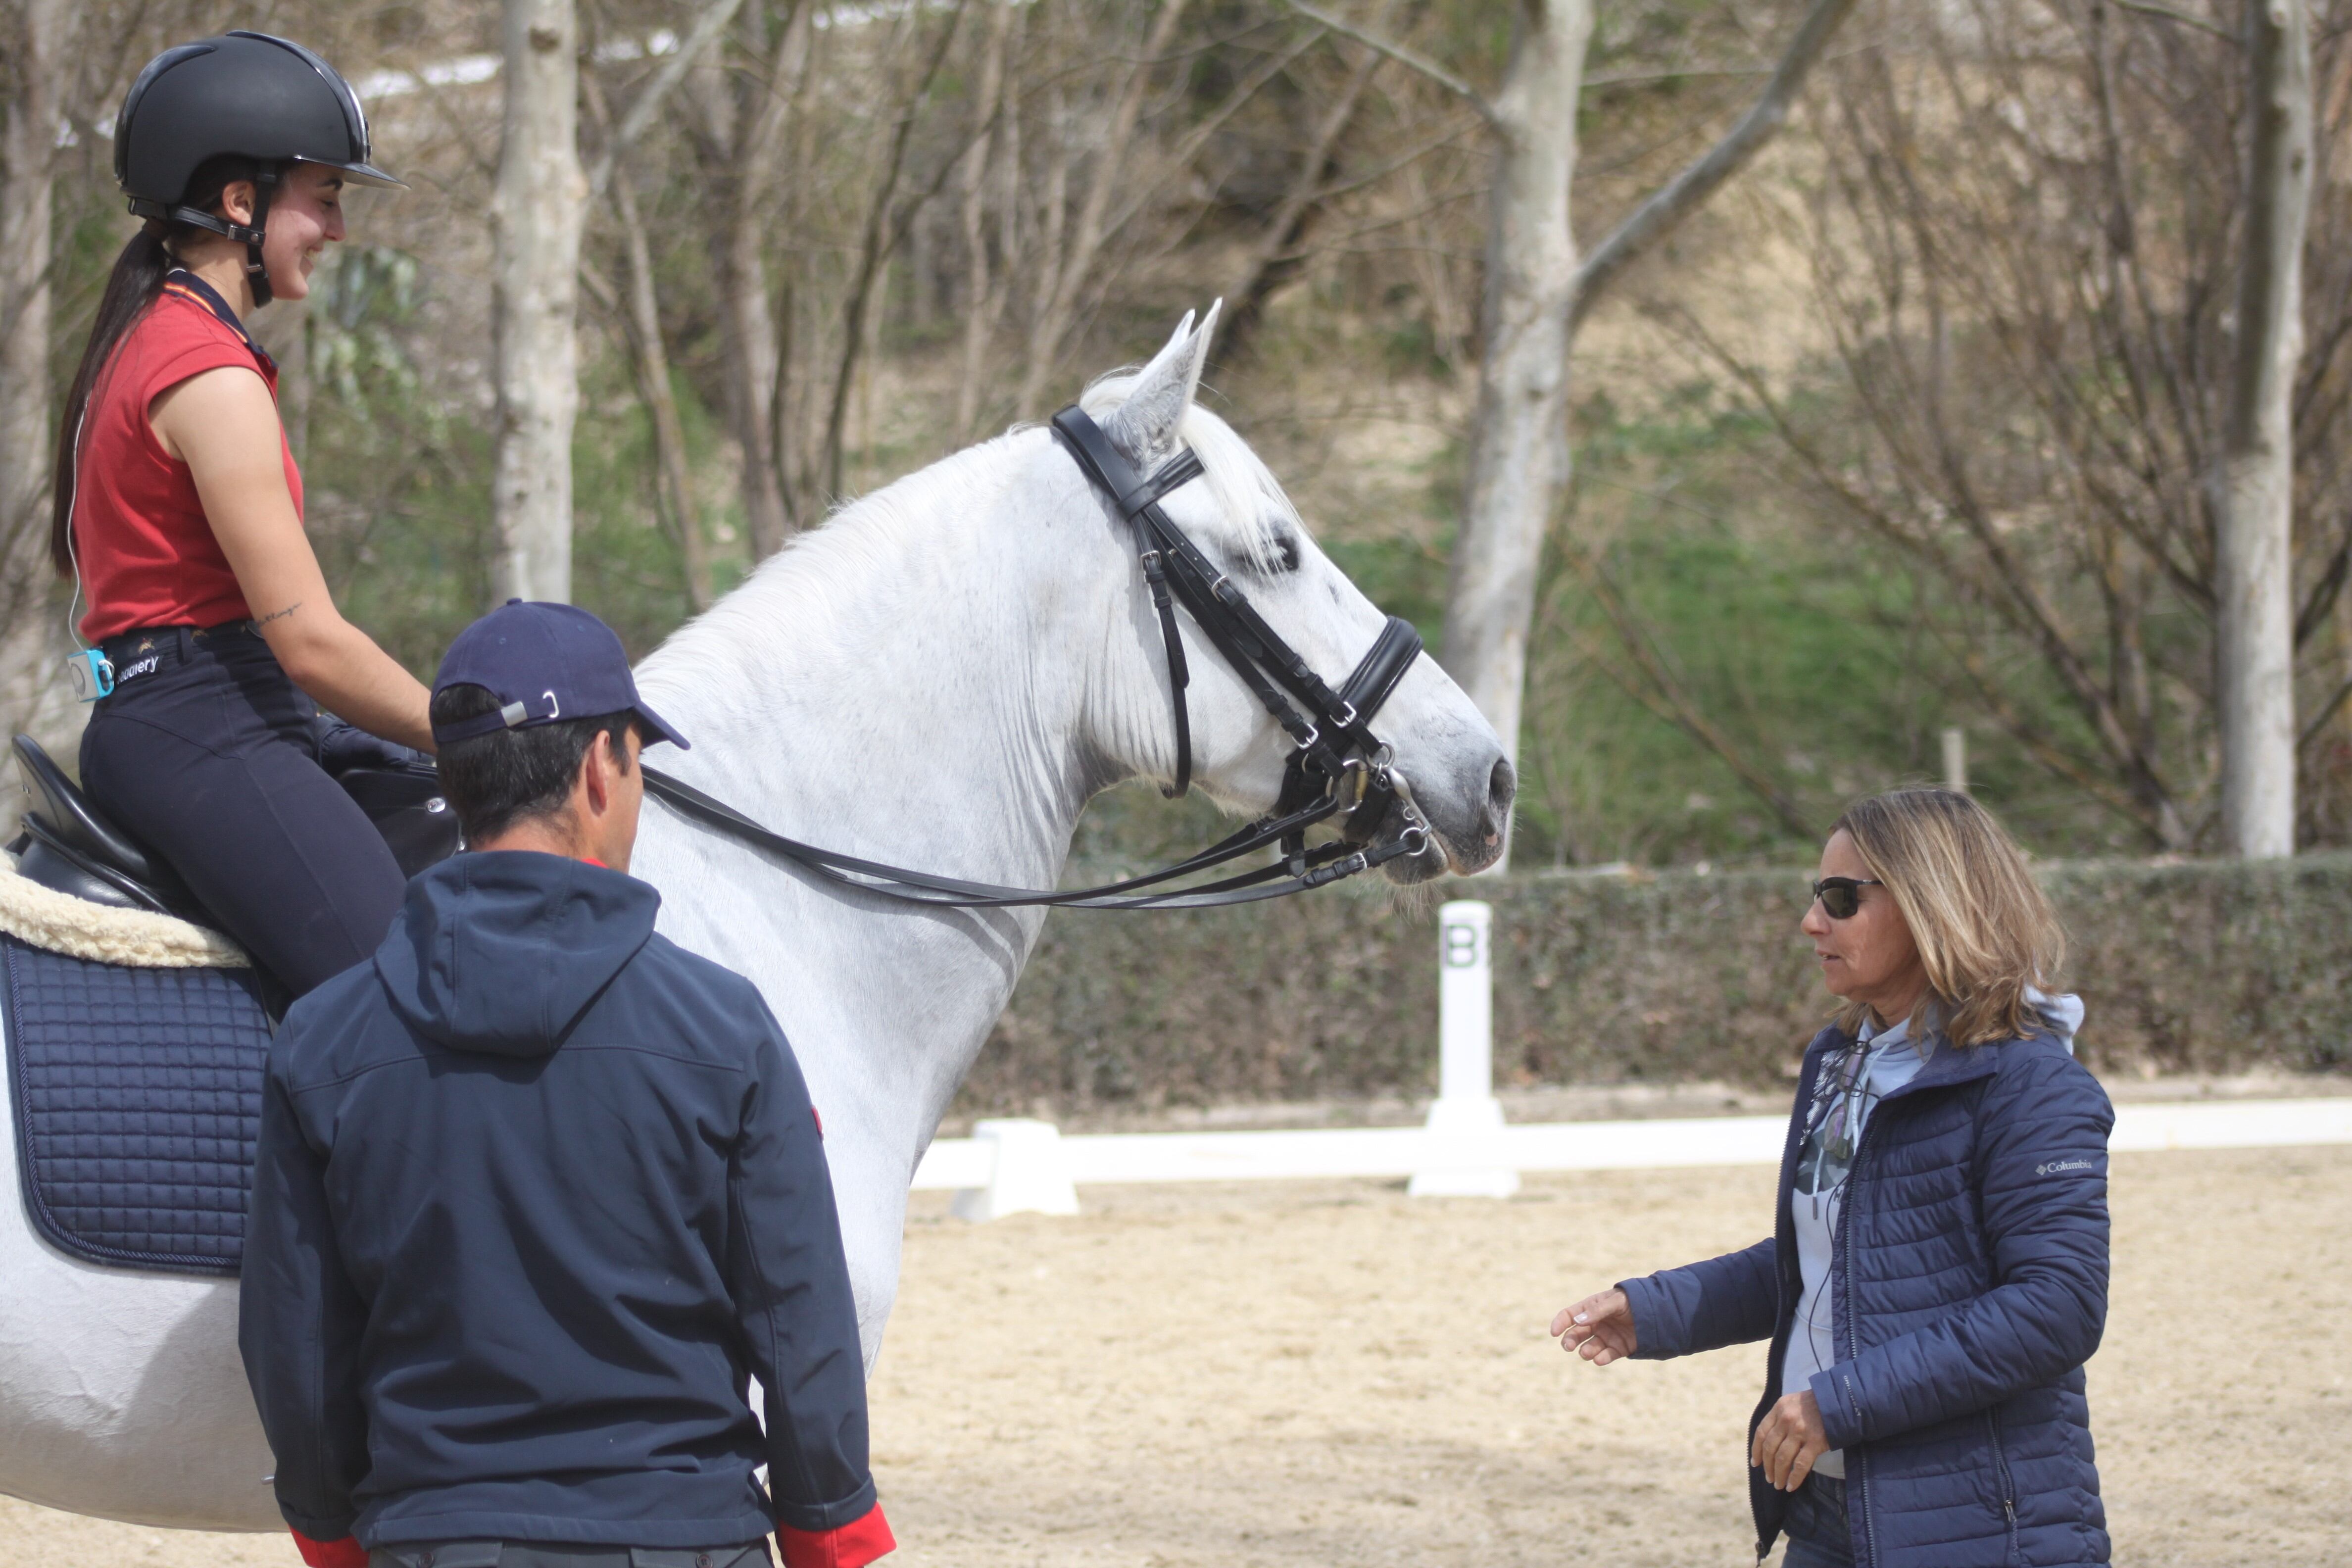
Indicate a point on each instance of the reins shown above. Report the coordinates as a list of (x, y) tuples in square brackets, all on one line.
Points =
[(1332, 741)]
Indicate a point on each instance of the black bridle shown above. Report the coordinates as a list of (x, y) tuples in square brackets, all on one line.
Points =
[(1336, 764)]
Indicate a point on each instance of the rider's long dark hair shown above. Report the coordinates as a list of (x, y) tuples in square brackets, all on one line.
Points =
[(134, 284)]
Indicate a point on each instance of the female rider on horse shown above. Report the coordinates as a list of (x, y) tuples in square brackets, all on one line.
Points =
[(179, 510)]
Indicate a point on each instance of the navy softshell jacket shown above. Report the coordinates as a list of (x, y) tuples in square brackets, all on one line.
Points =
[(537, 1191), (1970, 1285)]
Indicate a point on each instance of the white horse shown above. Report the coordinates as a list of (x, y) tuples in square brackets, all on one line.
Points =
[(941, 677)]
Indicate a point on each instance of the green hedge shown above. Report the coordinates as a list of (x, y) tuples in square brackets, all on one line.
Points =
[(2209, 967)]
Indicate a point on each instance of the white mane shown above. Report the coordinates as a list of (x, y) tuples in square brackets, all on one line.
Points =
[(793, 588), (864, 534)]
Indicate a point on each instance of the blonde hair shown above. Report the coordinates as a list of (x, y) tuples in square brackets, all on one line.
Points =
[(1984, 929)]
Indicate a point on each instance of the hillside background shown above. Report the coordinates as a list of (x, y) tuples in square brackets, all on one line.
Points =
[(1747, 615)]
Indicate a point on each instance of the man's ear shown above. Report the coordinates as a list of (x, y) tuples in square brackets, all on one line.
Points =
[(598, 764)]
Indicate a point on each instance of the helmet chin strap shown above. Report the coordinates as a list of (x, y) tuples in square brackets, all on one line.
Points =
[(250, 236), (257, 271)]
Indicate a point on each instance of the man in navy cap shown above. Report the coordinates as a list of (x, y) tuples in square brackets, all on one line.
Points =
[(539, 1191)]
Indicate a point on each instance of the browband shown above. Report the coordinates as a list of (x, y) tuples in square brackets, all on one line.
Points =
[(1335, 723)]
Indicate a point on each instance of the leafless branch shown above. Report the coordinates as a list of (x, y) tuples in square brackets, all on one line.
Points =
[(1401, 54), (1689, 190), (2318, 721), (706, 30), (2165, 12), (882, 237)]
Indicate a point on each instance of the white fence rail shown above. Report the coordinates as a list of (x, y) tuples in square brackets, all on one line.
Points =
[(1035, 1155), (1464, 1149)]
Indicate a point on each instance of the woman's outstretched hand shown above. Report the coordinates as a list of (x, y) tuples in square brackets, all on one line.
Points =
[(1598, 1328), (1789, 1439)]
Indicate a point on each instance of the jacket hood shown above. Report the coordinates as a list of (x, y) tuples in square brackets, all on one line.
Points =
[(2063, 1013), (502, 950)]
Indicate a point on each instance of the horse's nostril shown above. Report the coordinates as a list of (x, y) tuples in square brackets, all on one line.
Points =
[(1496, 813), (1501, 785)]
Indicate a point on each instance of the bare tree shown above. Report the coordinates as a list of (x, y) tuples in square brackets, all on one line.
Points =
[(2025, 240), (639, 313), (2254, 482), (1277, 252), (1535, 296), (28, 135), (1518, 436), (1068, 266), (33, 43), (888, 222), (745, 119), (536, 219), (983, 300)]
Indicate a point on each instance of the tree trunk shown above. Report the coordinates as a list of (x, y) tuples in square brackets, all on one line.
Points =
[(32, 693), (27, 141), (752, 345), (983, 301), (2255, 488), (1536, 295), (750, 362), (674, 480), (536, 219), (1518, 440)]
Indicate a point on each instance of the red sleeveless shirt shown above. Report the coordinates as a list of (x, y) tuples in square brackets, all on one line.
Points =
[(146, 549)]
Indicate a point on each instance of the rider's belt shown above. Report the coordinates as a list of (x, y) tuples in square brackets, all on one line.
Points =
[(150, 649)]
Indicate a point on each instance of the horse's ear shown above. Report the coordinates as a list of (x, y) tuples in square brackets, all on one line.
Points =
[(1144, 427)]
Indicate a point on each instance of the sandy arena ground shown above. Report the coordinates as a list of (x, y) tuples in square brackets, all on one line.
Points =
[(1290, 1375)]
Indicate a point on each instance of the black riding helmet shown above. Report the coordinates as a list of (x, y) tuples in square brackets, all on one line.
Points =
[(246, 95)]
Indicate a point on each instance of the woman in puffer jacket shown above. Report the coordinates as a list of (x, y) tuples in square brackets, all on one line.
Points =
[(1938, 1273)]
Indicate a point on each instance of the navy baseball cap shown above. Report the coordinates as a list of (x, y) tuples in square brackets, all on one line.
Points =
[(543, 662)]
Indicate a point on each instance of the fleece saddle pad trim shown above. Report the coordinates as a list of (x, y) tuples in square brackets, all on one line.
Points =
[(138, 1102)]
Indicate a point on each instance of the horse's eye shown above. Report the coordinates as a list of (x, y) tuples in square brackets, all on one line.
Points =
[(1286, 553)]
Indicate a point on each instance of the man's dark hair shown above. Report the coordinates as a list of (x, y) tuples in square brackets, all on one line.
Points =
[(494, 780)]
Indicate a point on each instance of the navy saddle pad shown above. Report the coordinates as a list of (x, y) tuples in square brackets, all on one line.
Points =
[(137, 1095)]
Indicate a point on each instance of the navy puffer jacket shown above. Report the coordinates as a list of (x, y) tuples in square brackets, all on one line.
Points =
[(1970, 1285)]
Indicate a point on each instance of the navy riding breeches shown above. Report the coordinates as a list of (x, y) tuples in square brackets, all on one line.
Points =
[(205, 754)]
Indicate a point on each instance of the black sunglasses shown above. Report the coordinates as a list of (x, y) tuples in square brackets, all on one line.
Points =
[(1841, 896)]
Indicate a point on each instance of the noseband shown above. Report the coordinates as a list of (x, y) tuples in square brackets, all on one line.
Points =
[(1337, 765)]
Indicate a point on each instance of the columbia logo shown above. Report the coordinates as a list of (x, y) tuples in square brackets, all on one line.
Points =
[(2055, 1166)]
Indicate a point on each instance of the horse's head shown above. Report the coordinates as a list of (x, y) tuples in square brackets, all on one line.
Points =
[(1238, 515)]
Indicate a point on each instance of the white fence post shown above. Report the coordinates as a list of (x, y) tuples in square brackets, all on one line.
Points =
[(1464, 1122)]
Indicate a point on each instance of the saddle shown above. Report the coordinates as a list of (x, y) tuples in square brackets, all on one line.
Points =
[(68, 844), (136, 1045)]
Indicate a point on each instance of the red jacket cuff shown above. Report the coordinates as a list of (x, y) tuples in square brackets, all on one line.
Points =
[(851, 1545), (344, 1553)]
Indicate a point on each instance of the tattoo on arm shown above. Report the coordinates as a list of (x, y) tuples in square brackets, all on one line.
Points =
[(278, 615)]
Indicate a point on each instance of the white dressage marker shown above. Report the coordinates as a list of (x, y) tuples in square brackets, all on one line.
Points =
[(1466, 1116), (1022, 1169)]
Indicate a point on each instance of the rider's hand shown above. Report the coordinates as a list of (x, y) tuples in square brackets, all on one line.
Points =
[(1789, 1439), (1598, 1328)]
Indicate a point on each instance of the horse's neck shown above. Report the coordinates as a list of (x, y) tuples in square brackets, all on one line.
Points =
[(893, 687)]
